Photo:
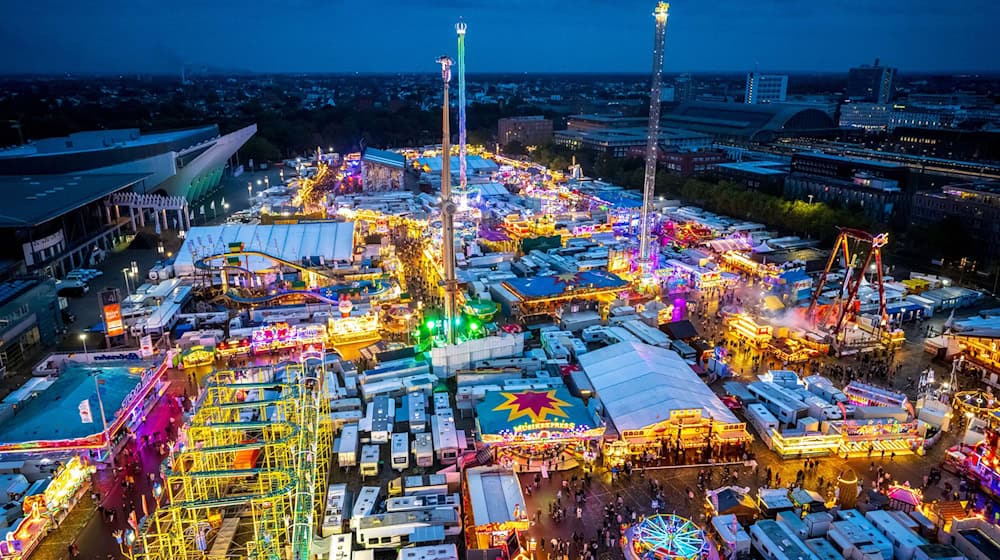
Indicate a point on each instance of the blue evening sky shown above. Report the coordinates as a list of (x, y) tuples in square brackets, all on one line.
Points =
[(504, 35)]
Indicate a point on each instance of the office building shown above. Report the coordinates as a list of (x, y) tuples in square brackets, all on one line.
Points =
[(874, 84), (601, 122), (765, 88), (864, 115), (29, 315), (690, 162), (875, 188), (529, 131), (187, 163), (977, 205), (684, 88)]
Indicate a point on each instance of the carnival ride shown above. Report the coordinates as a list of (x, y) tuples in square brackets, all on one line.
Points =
[(336, 284), (254, 460), (855, 249), (667, 537)]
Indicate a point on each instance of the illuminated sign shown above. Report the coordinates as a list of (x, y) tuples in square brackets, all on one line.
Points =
[(539, 426), (112, 311)]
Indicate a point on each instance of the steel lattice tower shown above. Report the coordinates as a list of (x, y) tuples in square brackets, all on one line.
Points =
[(462, 181), (447, 210), (653, 137)]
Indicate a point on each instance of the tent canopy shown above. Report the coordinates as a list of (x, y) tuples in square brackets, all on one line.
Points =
[(640, 385)]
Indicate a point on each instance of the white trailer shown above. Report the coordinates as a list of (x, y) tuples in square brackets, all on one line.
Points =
[(423, 450), (365, 504), (445, 439), (400, 451), (346, 446), (369, 460)]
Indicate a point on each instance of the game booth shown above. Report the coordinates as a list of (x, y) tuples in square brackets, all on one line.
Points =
[(46, 505), (538, 430)]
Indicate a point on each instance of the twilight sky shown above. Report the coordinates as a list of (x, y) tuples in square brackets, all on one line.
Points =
[(504, 35)]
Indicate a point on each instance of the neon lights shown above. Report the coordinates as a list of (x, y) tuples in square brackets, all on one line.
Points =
[(668, 537)]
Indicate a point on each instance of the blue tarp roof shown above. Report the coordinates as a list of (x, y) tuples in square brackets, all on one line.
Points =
[(383, 157), (552, 286), (502, 411), (434, 533), (794, 276)]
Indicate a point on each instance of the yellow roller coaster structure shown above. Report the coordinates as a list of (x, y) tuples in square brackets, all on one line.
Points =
[(246, 480)]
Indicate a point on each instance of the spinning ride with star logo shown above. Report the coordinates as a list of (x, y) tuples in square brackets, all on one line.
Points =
[(533, 428)]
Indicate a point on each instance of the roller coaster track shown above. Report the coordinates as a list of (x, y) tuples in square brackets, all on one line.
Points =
[(205, 263), (281, 493)]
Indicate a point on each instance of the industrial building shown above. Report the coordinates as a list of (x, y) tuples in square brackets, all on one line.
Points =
[(29, 314), (738, 122), (188, 163)]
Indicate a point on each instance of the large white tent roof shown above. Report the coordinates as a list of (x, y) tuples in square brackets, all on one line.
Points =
[(641, 384), (334, 241)]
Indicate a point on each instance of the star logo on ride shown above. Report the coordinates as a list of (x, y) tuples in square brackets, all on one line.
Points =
[(537, 405), (566, 278)]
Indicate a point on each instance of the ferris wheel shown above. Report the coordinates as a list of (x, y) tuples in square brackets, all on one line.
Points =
[(668, 537)]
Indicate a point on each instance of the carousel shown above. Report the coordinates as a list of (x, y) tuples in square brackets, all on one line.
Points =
[(538, 430), (667, 537), (979, 404)]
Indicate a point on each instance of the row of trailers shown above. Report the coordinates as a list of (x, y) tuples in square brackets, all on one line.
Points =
[(414, 446), (420, 510)]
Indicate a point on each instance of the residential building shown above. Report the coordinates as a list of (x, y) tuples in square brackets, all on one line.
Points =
[(864, 115), (529, 131), (29, 317), (875, 84), (875, 187), (977, 205), (765, 88)]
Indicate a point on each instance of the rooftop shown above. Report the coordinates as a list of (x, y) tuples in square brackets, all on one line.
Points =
[(383, 157), (95, 140), (14, 288), (33, 200), (757, 167), (494, 494), (54, 415), (668, 384)]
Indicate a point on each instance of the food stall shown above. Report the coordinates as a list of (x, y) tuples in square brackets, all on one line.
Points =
[(746, 328), (46, 506)]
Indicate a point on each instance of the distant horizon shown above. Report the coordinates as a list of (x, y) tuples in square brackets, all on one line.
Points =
[(193, 74)]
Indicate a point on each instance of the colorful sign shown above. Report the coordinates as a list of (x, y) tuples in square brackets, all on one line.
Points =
[(112, 310), (535, 415)]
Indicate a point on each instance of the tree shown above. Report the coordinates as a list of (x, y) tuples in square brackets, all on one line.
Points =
[(260, 149), (515, 148)]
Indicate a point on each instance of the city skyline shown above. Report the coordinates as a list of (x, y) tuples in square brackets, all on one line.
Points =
[(543, 37)]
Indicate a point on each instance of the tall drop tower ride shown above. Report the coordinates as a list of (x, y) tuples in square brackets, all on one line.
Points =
[(463, 187), (447, 210), (653, 137)]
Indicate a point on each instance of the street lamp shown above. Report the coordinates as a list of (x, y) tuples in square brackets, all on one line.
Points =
[(267, 181), (83, 339), (810, 199), (250, 190)]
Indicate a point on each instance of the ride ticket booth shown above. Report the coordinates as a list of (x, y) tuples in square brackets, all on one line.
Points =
[(528, 431)]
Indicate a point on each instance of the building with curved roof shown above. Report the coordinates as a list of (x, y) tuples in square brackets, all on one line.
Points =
[(749, 123), (188, 162)]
